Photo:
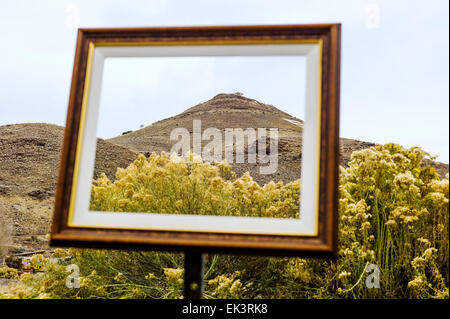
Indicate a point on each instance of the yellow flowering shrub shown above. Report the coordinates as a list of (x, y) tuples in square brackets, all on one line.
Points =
[(394, 213), (175, 280), (392, 210), (8, 273), (102, 274), (227, 286), (173, 185)]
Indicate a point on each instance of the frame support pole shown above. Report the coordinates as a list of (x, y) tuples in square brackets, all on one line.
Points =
[(193, 275)]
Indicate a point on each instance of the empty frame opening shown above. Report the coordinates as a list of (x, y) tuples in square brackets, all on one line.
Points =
[(201, 138)]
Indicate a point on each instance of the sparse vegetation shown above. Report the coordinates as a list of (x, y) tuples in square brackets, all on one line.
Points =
[(394, 213), (8, 273), (5, 237)]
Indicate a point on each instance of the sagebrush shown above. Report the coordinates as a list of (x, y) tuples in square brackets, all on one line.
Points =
[(394, 213)]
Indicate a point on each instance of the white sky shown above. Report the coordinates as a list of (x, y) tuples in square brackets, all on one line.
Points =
[(141, 91), (395, 71)]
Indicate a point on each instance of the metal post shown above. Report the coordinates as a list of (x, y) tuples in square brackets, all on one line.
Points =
[(193, 275)]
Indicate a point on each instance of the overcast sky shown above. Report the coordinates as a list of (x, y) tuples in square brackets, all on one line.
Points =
[(395, 71), (141, 91)]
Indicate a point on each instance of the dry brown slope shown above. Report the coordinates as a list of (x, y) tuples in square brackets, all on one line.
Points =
[(29, 162), (30, 154), (222, 111)]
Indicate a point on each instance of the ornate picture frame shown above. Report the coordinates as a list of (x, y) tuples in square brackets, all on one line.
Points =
[(316, 235)]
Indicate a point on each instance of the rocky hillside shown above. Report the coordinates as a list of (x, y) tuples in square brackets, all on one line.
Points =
[(227, 111), (29, 161)]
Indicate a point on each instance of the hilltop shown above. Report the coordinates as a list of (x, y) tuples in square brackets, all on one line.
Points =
[(236, 111), (226, 111)]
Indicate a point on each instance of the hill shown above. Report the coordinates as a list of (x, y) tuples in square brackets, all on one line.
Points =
[(226, 111), (237, 111), (29, 161)]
